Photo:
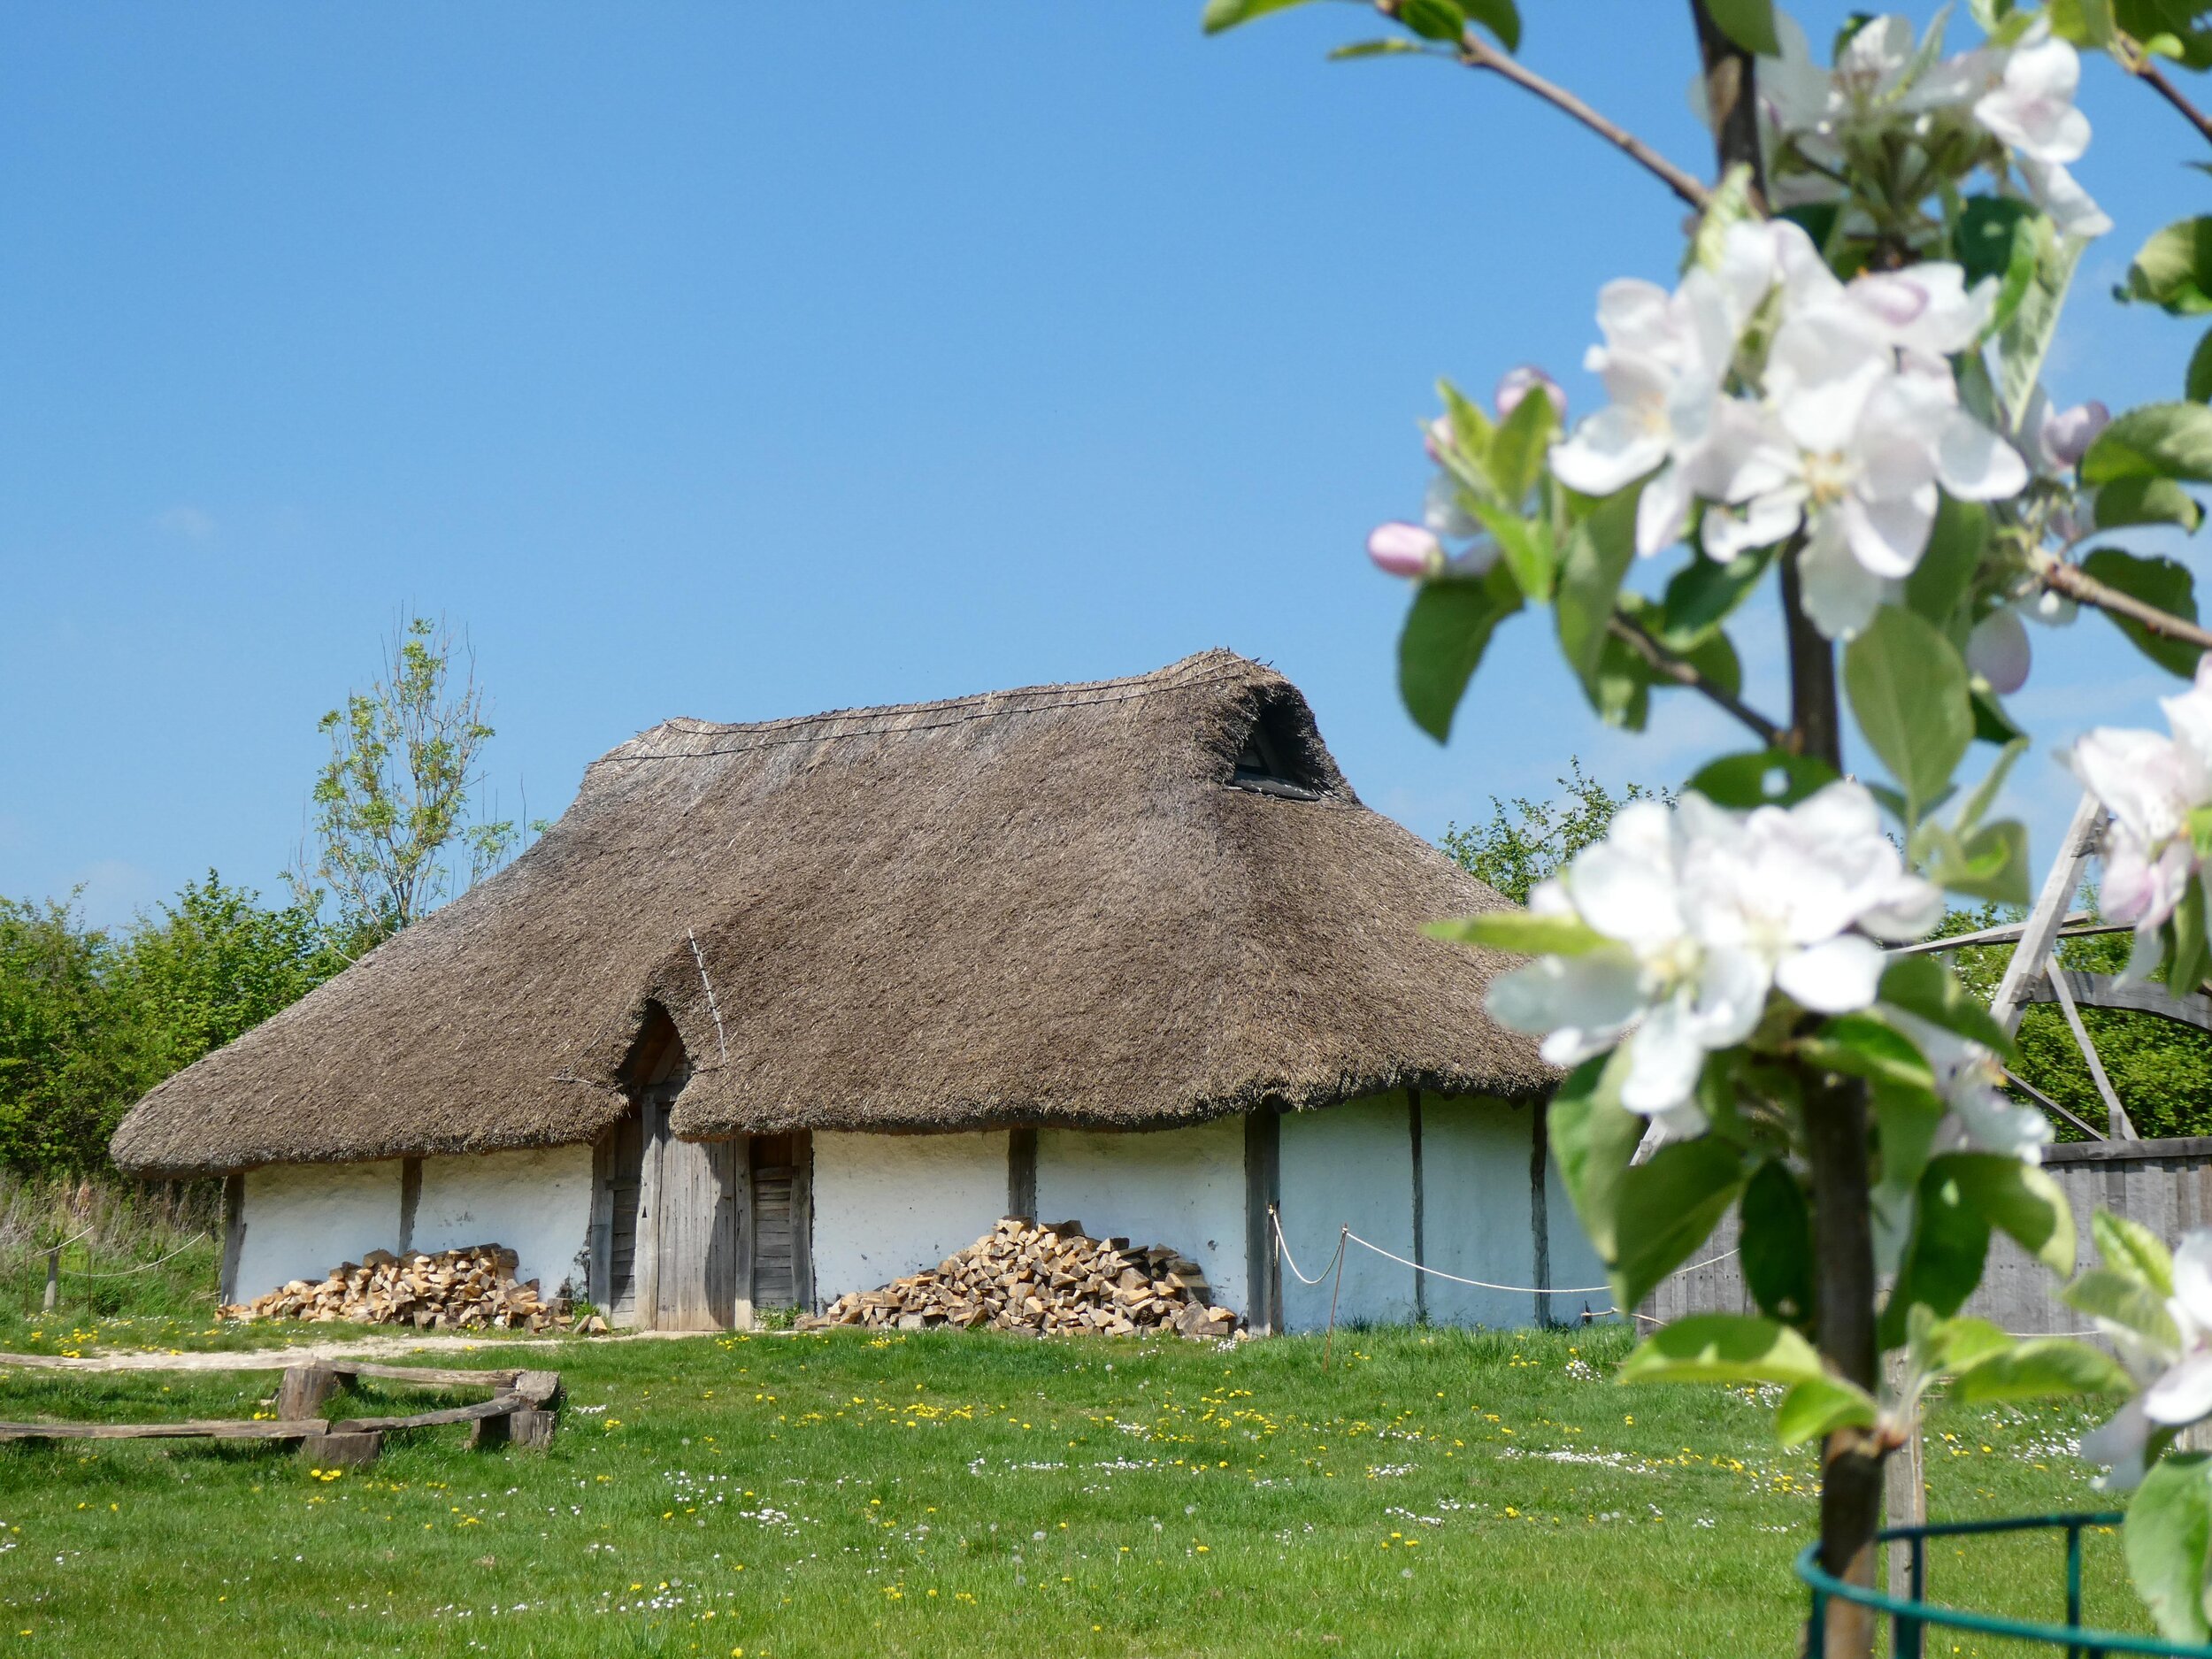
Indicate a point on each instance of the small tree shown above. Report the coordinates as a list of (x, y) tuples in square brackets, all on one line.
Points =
[(1527, 840), (394, 795)]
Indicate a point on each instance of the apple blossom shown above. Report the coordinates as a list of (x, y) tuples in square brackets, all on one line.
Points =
[(1515, 384), (1701, 913), (2178, 1372), (2150, 785), (2067, 434), (1404, 549), (1998, 651)]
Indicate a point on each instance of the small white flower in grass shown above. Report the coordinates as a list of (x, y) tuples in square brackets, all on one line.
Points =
[(2150, 785), (1703, 913), (2180, 1390)]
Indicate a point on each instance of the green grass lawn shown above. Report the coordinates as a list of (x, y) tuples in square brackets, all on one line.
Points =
[(943, 1494)]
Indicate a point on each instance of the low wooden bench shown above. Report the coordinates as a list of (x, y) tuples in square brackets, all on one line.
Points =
[(521, 1410)]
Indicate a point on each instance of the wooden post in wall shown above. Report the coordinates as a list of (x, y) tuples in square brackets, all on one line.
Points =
[(1262, 1192), (1021, 1171), (233, 1235), (1540, 1206)]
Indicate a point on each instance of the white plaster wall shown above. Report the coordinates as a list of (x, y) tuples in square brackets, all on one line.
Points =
[(1182, 1187), (887, 1205), (537, 1203), (302, 1219), (1350, 1164), (1475, 1215)]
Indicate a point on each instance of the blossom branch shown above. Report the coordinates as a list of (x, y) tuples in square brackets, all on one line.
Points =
[(1476, 53), (1667, 665), (2076, 583), (2145, 68)]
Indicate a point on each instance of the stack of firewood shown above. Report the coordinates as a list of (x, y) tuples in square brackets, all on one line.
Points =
[(1023, 1277), (461, 1289)]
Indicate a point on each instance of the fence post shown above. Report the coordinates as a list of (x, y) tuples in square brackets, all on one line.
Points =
[(53, 1279)]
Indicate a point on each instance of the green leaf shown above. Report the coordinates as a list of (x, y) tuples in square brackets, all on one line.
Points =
[(2083, 22), (1777, 1244), (2173, 269), (2107, 1293), (1227, 14), (1769, 776), (1521, 932), (2191, 960), (1734, 1347), (2037, 1369), (1924, 986), (1621, 689), (2131, 501), (1991, 723), (1446, 633), (2157, 441), (1953, 1344), (2025, 338), (1525, 543), (1433, 19), (1702, 595), (2130, 1248), (2197, 384), (1748, 23), (2168, 1532), (1395, 46), (1867, 1046), (1943, 1258), (1990, 864), (1986, 235), (2155, 582), (2018, 1198), (1668, 1207), (1517, 450), (1592, 1136), (1957, 544), (1596, 558), (1472, 429), (1909, 693), (1906, 1122), (1731, 203), (1821, 1405), (1985, 793), (1501, 18)]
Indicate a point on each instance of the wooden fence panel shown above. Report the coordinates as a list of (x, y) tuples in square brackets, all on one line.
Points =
[(2164, 1185)]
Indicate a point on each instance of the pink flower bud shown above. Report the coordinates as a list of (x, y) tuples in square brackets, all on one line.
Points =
[(1998, 651), (1404, 549), (2068, 433), (1515, 384), (1438, 438)]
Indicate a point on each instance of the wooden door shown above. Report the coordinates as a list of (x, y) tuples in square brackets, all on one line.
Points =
[(621, 1188), (697, 1217), (781, 1220)]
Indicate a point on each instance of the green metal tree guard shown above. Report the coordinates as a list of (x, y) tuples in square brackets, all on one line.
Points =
[(1910, 1616)]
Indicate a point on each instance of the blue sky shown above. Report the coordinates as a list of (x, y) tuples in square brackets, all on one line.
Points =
[(744, 361)]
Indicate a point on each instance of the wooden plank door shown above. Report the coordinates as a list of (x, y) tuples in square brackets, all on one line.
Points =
[(696, 1221), (621, 1192), (781, 1221)]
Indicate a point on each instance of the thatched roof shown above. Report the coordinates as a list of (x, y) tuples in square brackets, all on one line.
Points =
[(1129, 903)]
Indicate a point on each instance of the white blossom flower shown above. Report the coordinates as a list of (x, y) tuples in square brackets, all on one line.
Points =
[(2150, 785), (1969, 1078), (2067, 434), (2179, 1378), (1664, 357), (1703, 913), (1864, 425), (2030, 107)]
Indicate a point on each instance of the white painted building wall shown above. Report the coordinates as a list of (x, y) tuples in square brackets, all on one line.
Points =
[(302, 1219), (1351, 1165), (537, 1203), (889, 1205), (1475, 1214), (1183, 1187)]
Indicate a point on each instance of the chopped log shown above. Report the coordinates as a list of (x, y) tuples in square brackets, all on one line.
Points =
[(342, 1451), (305, 1391), (498, 1405), (531, 1429)]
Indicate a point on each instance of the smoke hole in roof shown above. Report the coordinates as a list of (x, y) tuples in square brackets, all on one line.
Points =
[(1277, 757)]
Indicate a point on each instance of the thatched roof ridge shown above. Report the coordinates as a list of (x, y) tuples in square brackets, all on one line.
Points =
[(1061, 904)]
